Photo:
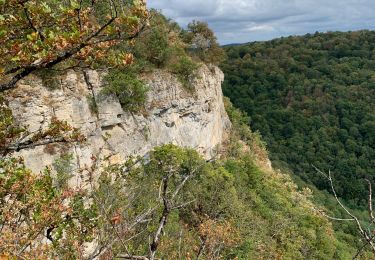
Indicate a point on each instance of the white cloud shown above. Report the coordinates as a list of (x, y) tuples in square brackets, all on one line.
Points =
[(248, 20), (261, 27)]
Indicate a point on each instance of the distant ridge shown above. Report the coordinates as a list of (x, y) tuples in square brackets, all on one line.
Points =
[(232, 44), (311, 34)]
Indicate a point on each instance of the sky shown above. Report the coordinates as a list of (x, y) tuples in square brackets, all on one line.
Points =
[(239, 21)]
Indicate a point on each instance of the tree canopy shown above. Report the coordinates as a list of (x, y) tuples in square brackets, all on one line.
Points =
[(311, 97)]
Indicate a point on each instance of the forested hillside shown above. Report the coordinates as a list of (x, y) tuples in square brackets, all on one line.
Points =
[(312, 99)]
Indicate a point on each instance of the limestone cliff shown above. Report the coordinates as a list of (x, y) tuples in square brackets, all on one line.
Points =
[(172, 115)]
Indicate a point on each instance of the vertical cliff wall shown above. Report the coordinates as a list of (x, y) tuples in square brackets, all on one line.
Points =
[(172, 115)]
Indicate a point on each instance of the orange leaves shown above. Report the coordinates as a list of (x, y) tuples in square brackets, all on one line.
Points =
[(24, 195), (44, 31), (127, 59), (116, 219), (99, 54), (31, 206), (5, 257), (15, 48), (218, 234), (59, 130), (32, 36), (61, 43), (84, 52)]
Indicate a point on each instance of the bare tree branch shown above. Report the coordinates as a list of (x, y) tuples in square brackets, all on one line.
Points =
[(334, 218), (78, 10), (169, 205), (371, 214), (183, 205), (201, 247), (17, 147), (362, 247), (187, 177), (132, 257), (364, 234), (163, 219)]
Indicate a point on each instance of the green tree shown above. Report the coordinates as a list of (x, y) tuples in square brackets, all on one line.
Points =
[(202, 43)]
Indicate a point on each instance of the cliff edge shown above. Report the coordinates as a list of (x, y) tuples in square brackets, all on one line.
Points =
[(172, 114)]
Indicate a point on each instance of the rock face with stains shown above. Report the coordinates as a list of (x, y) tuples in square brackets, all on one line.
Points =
[(172, 115)]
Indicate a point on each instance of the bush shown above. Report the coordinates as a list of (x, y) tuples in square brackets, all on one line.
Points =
[(154, 47), (130, 91), (159, 44), (184, 70)]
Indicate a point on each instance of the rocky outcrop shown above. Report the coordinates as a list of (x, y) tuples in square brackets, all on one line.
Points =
[(172, 115)]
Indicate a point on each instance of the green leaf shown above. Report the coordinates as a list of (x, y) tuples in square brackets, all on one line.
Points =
[(74, 4), (16, 58), (12, 17), (46, 8), (51, 35)]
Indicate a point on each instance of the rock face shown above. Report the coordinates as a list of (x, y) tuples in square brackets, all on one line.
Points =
[(172, 115)]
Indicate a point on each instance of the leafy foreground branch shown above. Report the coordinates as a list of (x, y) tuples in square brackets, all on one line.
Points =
[(38, 35)]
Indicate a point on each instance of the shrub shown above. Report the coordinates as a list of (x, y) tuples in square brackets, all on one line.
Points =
[(154, 47), (184, 70), (130, 91), (160, 43)]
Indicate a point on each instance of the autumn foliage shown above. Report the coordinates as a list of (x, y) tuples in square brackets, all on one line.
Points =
[(31, 207), (36, 35)]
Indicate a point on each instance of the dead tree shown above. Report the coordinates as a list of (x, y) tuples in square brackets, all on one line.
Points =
[(169, 204), (366, 235)]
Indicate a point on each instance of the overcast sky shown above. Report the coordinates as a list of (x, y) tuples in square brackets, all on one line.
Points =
[(238, 21)]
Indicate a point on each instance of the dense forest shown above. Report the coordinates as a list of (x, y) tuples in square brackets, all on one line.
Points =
[(312, 99)]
